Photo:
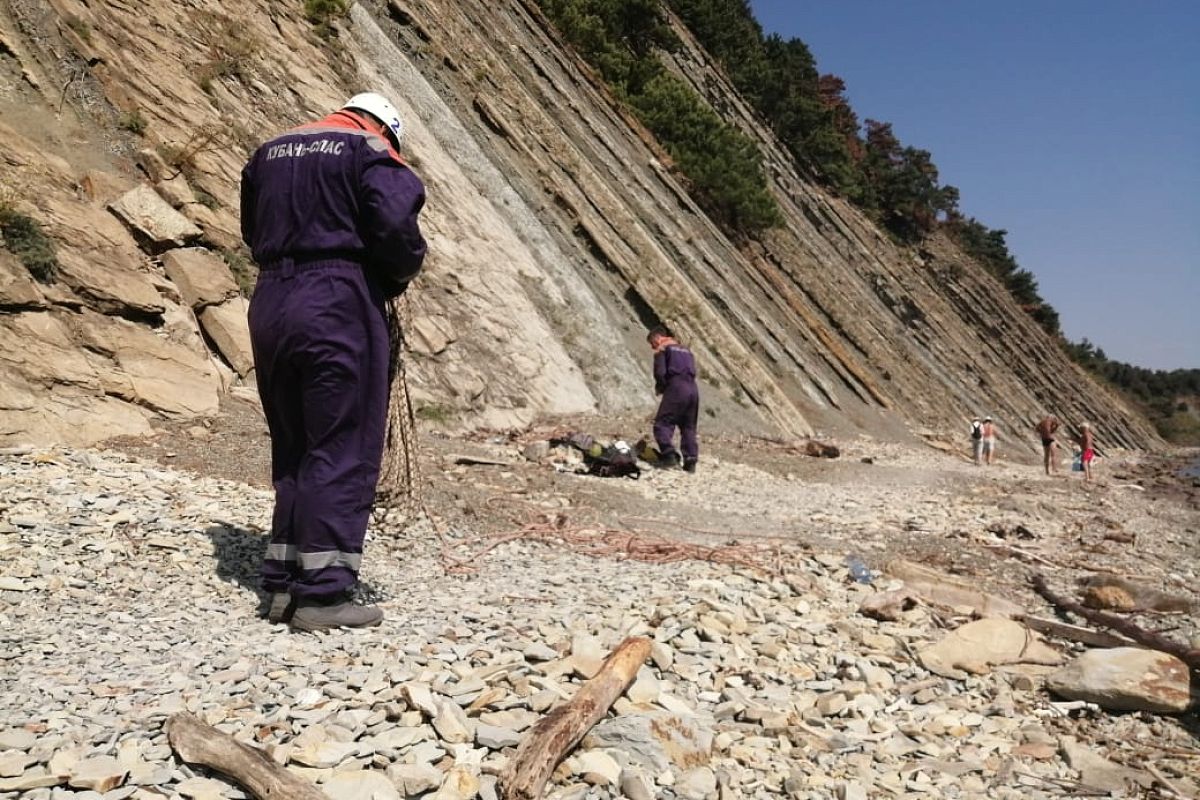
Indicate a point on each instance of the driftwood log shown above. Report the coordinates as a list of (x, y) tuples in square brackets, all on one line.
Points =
[(1075, 633), (555, 734), (1150, 639), (198, 743)]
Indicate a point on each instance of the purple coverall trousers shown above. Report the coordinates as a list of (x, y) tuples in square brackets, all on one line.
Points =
[(320, 342), (679, 408)]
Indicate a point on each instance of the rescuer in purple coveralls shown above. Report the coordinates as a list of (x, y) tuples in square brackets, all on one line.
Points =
[(675, 380), (330, 212)]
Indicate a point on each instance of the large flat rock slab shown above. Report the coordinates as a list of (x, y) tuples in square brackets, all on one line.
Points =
[(17, 288), (153, 220), (1125, 679), (978, 646), (226, 325), (109, 286), (202, 277)]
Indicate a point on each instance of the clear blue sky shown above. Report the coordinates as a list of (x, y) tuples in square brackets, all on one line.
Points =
[(1072, 124)]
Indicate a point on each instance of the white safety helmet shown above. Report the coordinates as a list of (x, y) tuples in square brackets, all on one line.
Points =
[(378, 106)]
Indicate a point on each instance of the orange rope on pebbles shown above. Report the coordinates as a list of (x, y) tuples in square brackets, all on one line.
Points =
[(599, 541), (776, 537)]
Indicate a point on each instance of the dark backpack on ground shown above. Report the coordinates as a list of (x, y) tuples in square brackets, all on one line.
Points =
[(603, 461), (613, 463)]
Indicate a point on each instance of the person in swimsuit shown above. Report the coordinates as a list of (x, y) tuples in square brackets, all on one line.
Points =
[(1087, 443), (988, 430), (1047, 428)]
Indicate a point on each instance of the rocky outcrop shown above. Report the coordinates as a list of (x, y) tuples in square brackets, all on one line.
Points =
[(100, 352), (140, 366), (49, 385), (202, 277), (17, 289), (825, 323), (226, 326), (153, 220), (558, 230)]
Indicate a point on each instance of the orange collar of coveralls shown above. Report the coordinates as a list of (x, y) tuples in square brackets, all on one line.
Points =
[(665, 342), (350, 121)]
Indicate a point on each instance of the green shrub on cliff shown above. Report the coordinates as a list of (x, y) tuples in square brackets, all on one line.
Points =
[(323, 13), (22, 236), (620, 39), (245, 273), (133, 121), (723, 165)]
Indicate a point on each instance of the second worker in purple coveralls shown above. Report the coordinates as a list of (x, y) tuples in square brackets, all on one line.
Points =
[(330, 212), (675, 380)]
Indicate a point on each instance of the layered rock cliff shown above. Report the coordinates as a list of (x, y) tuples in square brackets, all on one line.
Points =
[(558, 230)]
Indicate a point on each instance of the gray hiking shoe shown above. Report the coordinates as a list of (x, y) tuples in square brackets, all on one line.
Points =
[(322, 614), (283, 605)]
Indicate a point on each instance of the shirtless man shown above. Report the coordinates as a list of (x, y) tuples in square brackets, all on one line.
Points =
[(988, 429), (1087, 443), (1046, 429)]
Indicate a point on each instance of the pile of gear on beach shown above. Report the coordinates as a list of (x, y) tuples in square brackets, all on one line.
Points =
[(586, 455)]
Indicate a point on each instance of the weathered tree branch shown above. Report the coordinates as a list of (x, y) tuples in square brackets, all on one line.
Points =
[(1150, 639), (1075, 633), (555, 734), (197, 743)]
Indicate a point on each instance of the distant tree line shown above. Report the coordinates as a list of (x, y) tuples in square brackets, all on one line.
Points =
[(1169, 398)]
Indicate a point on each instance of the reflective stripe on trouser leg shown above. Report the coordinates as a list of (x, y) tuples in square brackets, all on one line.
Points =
[(279, 566), (312, 562)]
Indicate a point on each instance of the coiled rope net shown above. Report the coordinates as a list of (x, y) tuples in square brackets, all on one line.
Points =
[(398, 492)]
